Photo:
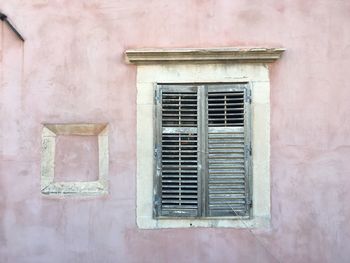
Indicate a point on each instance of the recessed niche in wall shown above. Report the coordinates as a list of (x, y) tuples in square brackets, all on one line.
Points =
[(74, 159)]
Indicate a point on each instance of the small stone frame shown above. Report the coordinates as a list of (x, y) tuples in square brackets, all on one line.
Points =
[(94, 188)]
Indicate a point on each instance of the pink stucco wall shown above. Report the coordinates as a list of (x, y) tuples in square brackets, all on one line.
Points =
[(71, 69)]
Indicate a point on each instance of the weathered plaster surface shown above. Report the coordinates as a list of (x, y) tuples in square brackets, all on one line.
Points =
[(71, 69), (76, 157)]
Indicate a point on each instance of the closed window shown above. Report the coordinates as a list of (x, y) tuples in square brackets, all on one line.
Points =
[(208, 133), (202, 150)]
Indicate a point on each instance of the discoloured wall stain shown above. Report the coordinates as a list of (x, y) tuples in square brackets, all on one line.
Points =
[(74, 72), (39, 3), (251, 16)]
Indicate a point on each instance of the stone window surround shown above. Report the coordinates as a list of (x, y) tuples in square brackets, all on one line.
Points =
[(81, 189), (227, 65)]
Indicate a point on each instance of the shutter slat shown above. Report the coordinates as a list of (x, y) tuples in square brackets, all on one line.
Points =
[(231, 94), (176, 171), (224, 99), (176, 196), (179, 202), (229, 110), (226, 182), (176, 210), (176, 186), (219, 151), (165, 152), (223, 104)]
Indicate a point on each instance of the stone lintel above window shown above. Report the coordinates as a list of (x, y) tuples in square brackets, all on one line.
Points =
[(203, 55)]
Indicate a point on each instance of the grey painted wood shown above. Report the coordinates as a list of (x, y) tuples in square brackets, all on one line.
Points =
[(217, 121)]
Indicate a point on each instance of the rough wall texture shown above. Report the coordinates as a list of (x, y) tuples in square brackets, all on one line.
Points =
[(71, 69)]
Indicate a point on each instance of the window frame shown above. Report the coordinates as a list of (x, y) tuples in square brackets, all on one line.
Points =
[(202, 126), (255, 73)]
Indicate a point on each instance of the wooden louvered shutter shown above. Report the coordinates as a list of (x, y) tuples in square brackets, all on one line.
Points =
[(177, 178), (229, 150), (203, 152)]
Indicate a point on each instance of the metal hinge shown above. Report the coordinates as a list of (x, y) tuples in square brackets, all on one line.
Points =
[(249, 96), (250, 203), (156, 151), (248, 149), (157, 96), (156, 206), (157, 201)]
